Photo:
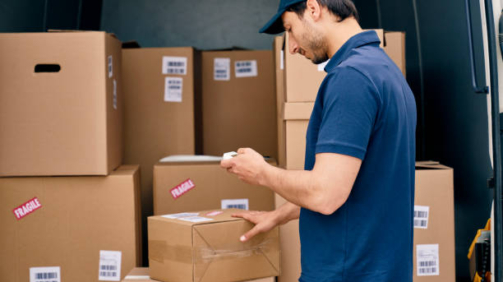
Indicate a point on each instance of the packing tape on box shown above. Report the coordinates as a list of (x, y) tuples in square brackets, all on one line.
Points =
[(160, 251)]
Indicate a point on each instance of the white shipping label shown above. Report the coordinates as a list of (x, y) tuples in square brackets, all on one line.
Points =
[(173, 88), (174, 65), (196, 219), (110, 66), (282, 60), (180, 215), (427, 260), (45, 274), (242, 204), (421, 214), (110, 266), (115, 95), (321, 67), (222, 69), (245, 68)]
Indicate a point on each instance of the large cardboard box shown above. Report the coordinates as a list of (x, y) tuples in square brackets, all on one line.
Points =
[(205, 246), (159, 87), (190, 184), (238, 102), (70, 228), (434, 238), (303, 78), (61, 104), (142, 274)]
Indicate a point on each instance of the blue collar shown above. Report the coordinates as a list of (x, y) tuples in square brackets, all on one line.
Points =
[(358, 40)]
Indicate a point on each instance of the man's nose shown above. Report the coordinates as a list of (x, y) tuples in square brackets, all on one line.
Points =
[(292, 46)]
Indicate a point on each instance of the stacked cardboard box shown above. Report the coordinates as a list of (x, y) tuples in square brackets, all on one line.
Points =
[(160, 89), (434, 244), (238, 102), (61, 115), (190, 184), (297, 82)]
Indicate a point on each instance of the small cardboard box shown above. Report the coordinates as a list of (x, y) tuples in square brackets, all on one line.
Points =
[(199, 185), (205, 246), (434, 238), (61, 108), (142, 274), (74, 228), (238, 102), (303, 78)]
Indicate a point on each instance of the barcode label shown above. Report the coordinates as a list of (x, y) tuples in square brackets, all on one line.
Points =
[(242, 204), (245, 68), (427, 260), (196, 219), (45, 274), (174, 65), (110, 67), (115, 95), (421, 215), (110, 266), (173, 88), (321, 66), (222, 69)]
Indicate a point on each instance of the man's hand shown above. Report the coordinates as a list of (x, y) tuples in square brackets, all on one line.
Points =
[(248, 165), (264, 221)]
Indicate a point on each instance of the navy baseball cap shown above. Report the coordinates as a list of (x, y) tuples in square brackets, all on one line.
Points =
[(275, 25)]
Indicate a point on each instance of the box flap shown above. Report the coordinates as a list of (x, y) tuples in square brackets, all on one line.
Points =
[(297, 110), (430, 165), (217, 250)]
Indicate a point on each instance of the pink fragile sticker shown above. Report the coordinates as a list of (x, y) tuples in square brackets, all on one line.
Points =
[(27, 208), (214, 213), (182, 188)]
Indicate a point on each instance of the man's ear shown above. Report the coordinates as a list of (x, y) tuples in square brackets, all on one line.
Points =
[(313, 10)]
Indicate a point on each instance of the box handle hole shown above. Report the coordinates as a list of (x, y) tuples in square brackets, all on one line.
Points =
[(47, 68)]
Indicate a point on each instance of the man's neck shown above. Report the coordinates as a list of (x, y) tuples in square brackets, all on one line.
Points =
[(340, 33)]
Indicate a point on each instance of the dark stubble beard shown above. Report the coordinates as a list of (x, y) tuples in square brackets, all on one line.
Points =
[(316, 43)]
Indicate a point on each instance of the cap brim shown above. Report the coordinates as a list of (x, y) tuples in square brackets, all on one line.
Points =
[(275, 25)]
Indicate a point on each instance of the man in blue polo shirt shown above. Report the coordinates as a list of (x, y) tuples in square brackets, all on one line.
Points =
[(355, 197)]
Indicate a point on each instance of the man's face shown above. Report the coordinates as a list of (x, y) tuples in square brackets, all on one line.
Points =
[(304, 38)]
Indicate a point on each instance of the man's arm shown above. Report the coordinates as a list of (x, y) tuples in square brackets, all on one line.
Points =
[(323, 189)]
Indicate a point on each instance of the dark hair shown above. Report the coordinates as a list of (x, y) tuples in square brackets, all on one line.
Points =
[(341, 8)]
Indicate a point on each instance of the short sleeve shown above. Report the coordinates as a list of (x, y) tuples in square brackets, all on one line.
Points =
[(350, 107)]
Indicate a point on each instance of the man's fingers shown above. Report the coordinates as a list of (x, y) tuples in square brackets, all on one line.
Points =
[(250, 234), (241, 150), (226, 163)]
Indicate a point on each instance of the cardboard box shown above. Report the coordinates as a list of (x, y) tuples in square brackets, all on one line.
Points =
[(303, 78), (75, 226), (142, 274), (434, 238), (180, 186), (277, 47), (159, 87), (205, 246), (61, 106), (238, 102)]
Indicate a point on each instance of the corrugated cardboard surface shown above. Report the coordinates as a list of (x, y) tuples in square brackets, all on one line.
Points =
[(155, 128), (79, 217), (60, 123), (280, 96), (303, 78), (212, 185), (210, 250), (435, 189), (140, 274), (295, 121), (240, 112)]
